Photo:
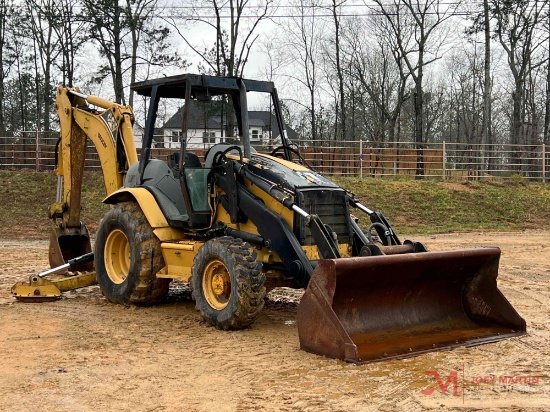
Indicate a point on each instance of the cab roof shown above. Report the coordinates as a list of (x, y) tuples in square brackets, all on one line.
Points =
[(174, 86)]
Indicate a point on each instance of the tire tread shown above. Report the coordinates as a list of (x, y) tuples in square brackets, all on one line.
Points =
[(248, 278)]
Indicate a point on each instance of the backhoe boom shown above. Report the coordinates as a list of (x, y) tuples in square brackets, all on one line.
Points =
[(110, 131)]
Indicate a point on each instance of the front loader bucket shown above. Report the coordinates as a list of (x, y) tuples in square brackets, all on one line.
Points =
[(68, 244), (374, 308)]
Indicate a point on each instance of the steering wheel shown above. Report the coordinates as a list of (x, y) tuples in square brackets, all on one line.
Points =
[(275, 151)]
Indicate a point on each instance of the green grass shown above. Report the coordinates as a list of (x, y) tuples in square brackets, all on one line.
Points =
[(412, 206), (26, 198), (427, 206)]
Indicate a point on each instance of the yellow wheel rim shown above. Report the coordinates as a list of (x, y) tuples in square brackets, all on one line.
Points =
[(216, 284), (117, 256)]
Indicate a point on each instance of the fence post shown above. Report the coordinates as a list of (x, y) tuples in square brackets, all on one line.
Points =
[(444, 172), (543, 163), (361, 158), (37, 151)]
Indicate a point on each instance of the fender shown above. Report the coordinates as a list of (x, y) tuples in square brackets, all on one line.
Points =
[(150, 208)]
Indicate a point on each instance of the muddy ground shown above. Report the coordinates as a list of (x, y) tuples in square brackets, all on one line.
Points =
[(84, 354)]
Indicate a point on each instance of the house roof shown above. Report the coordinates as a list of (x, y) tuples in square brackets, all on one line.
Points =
[(139, 132), (199, 119), (268, 120)]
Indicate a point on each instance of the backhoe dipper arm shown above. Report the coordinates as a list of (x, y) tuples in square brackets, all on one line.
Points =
[(110, 130)]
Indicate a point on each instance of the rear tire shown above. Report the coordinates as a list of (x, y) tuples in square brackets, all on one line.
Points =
[(128, 256), (228, 283)]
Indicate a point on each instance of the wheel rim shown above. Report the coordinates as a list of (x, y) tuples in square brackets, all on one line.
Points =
[(216, 284), (117, 256)]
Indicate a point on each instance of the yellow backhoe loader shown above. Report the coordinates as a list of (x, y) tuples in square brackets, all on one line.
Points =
[(239, 222)]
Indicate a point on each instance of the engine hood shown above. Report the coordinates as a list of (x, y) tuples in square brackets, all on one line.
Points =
[(287, 174)]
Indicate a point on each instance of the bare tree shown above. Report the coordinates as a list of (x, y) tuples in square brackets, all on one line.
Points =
[(70, 30), (417, 28), (464, 115), (546, 136), (301, 53), (487, 112), (6, 61), (340, 115), (516, 29), (107, 29), (120, 30), (235, 25), (26, 90), (379, 70), (482, 23), (42, 15), (148, 34)]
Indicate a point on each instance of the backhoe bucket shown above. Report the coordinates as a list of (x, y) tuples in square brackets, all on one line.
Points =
[(374, 308), (69, 244)]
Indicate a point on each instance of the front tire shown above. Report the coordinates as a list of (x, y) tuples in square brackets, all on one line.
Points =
[(228, 283), (128, 256)]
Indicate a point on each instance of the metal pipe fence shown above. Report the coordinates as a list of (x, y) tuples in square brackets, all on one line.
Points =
[(37, 151)]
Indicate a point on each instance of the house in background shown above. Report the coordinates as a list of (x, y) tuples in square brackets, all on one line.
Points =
[(138, 134), (205, 129)]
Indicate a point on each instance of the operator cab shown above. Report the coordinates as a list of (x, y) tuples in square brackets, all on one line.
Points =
[(211, 120)]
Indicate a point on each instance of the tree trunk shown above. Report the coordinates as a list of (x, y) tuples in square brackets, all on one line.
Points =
[(515, 127), (118, 85), (313, 120), (419, 125), (339, 73), (133, 23), (22, 99), (3, 21), (134, 65), (546, 137), (47, 95), (486, 86), (547, 113)]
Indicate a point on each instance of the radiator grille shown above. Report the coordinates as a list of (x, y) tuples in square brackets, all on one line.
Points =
[(331, 207)]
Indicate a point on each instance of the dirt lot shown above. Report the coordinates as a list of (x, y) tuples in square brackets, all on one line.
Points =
[(83, 354)]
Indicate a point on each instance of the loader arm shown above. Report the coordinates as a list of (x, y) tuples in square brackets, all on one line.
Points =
[(273, 229), (110, 130), (388, 300)]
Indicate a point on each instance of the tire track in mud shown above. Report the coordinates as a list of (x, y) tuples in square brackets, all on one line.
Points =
[(82, 353), (523, 279)]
